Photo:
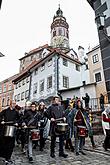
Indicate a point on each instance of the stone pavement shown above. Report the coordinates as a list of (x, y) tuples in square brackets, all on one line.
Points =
[(93, 157)]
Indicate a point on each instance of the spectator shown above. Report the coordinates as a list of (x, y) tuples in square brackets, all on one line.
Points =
[(101, 100), (86, 99)]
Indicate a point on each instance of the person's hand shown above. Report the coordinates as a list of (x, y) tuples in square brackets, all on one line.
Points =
[(64, 119), (16, 124), (25, 126), (2, 122), (52, 119)]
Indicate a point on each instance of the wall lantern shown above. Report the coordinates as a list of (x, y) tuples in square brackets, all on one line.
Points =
[(100, 21)]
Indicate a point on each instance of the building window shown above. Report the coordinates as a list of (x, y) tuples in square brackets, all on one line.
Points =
[(42, 67), (49, 82), (15, 97), (98, 77), (4, 89), (65, 82), (32, 58), (22, 96), (3, 102), (19, 84), (27, 79), (16, 86), (8, 101), (65, 62), (36, 71), (0, 88), (60, 31), (77, 67), (23, 81), (35, 88), (18, 97), (108, 85), (41, 85), (95, 58), (50, 62), (9, 86), (26, 94)]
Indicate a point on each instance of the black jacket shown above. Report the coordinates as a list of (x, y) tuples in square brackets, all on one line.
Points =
[(9, 115)]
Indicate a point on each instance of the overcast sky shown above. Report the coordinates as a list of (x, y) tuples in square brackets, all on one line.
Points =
[(25, 25)]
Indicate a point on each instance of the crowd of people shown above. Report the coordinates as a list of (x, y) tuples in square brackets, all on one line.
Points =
[(30, 127)]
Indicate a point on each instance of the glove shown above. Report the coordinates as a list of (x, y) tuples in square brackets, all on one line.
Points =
[(2, 122)]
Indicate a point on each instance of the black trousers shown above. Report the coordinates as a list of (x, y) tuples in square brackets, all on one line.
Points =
[(53, 143), (107, 139), (41, 139), (6, 147)]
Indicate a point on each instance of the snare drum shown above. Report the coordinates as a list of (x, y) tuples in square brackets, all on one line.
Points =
[(9, 131), (35, 134), (82, 131)]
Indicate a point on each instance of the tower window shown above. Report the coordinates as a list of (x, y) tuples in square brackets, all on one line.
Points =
[(60, 31), (54, 33)]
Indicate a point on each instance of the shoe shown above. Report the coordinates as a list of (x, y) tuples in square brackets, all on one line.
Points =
[(77, 153), (23, 151), (8, 162), (105, 148), (52, 155), (67, 147), (63, 155), (31, 159), (83, 153), (94, 146), (72, 149)]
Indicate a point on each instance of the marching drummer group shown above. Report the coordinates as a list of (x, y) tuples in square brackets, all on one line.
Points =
[(34, 123)]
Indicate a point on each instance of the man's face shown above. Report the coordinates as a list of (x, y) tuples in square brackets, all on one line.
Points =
[(56, 100), (13, 104), (33, 107)]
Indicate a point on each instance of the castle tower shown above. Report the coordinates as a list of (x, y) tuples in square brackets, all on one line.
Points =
[(59, 31)]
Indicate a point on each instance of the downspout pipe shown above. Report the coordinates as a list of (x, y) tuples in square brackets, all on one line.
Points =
[(57, 72)]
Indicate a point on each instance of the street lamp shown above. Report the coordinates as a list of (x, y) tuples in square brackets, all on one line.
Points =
[(100, 21)]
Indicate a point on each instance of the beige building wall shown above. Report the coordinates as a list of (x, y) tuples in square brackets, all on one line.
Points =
[(95, 67)]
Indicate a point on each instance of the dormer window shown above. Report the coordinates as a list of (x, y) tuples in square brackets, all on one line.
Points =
[(42, 67)]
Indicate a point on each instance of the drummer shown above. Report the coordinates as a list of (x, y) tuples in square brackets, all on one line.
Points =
[(31, 118), (8, 116), (76, 119), (53, 112)]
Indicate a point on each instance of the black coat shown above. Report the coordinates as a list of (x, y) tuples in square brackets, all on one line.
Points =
[(9, 115), (54, 111)]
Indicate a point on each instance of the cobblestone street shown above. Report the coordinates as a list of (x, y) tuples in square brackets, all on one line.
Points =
[(94, 157)]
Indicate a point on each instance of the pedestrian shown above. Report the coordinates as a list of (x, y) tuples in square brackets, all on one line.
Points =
[(9, 118), (86, 99), (56, 111), (101, 100), (78, 124), (68, 143), (31, 118), (106, 127)]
